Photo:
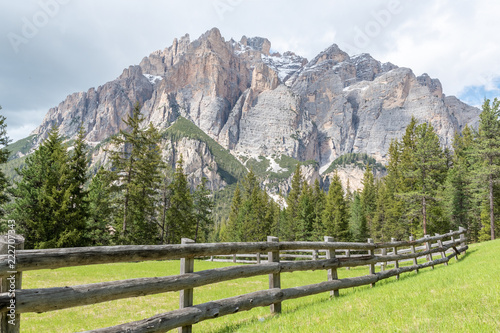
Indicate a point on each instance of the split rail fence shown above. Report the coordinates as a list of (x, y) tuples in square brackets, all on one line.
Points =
[(324, 257)]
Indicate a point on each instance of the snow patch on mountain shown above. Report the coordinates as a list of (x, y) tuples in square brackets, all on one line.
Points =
[(275, 167), (285, 65), (153, 78)]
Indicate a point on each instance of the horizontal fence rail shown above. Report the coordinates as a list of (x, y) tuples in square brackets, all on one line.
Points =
[(326, 255), (79, 256), (250, 258)]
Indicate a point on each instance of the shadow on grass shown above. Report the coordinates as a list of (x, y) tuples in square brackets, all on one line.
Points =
[(468, 253)]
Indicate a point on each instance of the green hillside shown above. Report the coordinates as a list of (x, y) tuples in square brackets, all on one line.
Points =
[(23, 146), (9, 168), (356, 159)]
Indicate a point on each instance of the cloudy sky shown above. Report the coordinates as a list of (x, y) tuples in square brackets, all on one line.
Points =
[(52, 48)]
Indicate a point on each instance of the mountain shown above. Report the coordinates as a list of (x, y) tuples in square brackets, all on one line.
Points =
[(228, 105)]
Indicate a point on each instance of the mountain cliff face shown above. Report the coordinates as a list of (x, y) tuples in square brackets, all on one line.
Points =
[(256, 103)]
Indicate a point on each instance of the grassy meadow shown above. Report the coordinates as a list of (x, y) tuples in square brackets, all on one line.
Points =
[(465, 296)]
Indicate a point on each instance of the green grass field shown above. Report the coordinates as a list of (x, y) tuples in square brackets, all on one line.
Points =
[(464, 297)]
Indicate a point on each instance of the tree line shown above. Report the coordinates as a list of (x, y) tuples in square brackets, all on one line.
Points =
[(428, 189), (137, 199)]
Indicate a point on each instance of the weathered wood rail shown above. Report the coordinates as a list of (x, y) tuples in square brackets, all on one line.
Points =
[(292, 255), (323, 257)]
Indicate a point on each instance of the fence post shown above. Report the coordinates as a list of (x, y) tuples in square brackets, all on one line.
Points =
[(372, 266), (234, 258), (382, 264), (428, 247), (16, 242), (348, 255), (462, 238), (415, 261), (453, 240), (332, 272), (395, 251), (315, 254), (258, 257), (440, 244), (186, 295), (274, 279)]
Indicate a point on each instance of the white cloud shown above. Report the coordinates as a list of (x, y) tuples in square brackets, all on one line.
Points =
[(453, 41), (87, 43), (20, 132)]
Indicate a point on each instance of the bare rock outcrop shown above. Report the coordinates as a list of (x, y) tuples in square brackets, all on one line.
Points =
[(198, 162), (254, 101), (100, 110)]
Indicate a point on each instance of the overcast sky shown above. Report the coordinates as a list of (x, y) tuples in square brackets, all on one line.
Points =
[(52, 48)]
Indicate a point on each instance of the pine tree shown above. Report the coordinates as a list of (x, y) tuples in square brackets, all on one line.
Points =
[(368, 198), (394, 209), (4, 155), (164, 203), (426, 172), (148, 184), (458, 198), (180, 217), (272, 217), (135, 179), (318, 202), (335, 219), (380, 229), (290, 227), (77, 178), (99, 230), (28, 208), (45, 205), (305, 218), (487, 151), (60, 229), (233, 227), (203, 205), (349, 197), (124, 169), (483, 209), (253, 216), (357, 225), (248, 184), (248, 212)]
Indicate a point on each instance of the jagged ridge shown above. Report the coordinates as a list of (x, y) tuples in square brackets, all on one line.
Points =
[(256, 103)]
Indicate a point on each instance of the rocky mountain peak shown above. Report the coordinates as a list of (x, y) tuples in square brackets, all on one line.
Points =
[(254, 103), (367, 68), (434, 85), (179, 46), (332, 53), (260, 44), (210, 40), (131, 72), (212, 35)]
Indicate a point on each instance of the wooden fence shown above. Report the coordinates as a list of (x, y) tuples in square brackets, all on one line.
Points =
[(323, 257)]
